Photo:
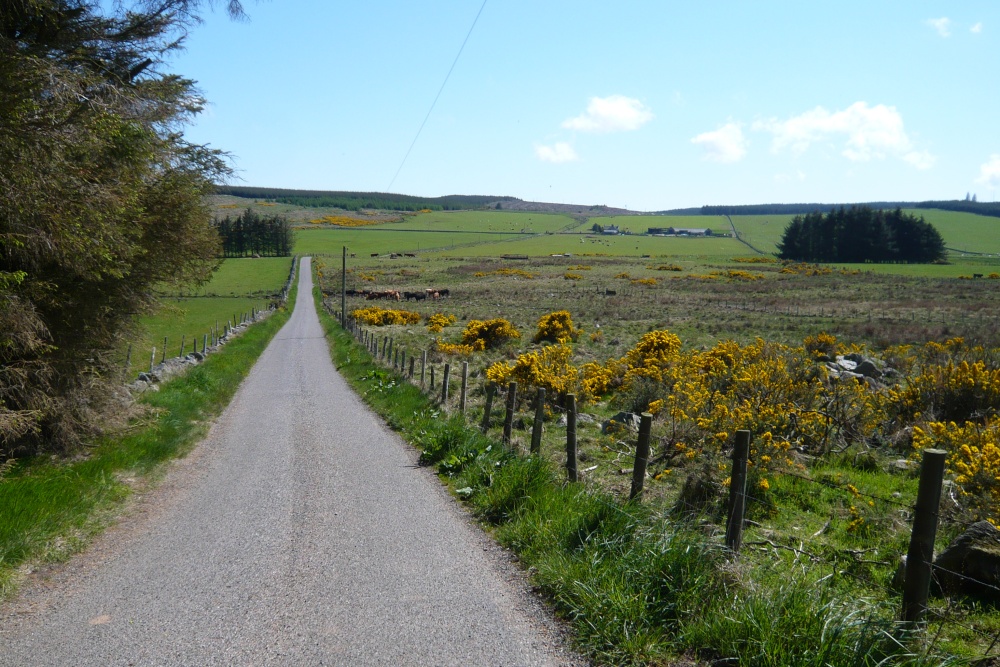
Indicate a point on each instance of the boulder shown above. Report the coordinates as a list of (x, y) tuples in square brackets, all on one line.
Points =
[(868, 369), (629, 420), (971, 563)]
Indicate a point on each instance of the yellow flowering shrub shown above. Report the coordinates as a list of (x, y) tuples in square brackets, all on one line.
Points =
[(745, 276), (623, 276), (379, 317), (950, 384), (759, 259), (556, 327), (572, 276), (518, 273), (648, 282), (488, 334), (973, 458), (595, 380), (455, 349), (438, 321), (548, 367), (343, 221), (820, 344)]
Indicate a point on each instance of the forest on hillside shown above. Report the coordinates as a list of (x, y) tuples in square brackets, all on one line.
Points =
[(355, 201)]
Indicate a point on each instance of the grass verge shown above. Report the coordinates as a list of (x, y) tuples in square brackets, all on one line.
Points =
[(50, 508), (640, 585)]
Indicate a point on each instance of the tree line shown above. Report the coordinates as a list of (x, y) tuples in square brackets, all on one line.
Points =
[(253, 234), (355, 201), (861, 234)]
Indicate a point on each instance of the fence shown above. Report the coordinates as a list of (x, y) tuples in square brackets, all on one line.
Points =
[(209, 341), (920, 570)]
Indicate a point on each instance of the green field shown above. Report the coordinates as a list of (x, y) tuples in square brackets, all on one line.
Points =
[(487, 221), (585, 245), (384, 239), (235, 288)]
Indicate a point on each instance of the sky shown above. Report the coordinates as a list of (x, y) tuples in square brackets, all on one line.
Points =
[(645, 105)]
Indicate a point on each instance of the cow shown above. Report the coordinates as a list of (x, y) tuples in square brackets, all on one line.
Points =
[(408, 254), (374, 254), (444, 292), (411, 295)]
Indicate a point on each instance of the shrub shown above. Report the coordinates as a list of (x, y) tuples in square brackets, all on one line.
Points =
[(488, 334), (556, 327), (438, 321), (380, 317)]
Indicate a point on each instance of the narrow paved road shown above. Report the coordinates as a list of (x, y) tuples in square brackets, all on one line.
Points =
[(300, 532)]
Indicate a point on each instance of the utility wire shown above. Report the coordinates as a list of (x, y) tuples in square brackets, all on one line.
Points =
[(440, 90)]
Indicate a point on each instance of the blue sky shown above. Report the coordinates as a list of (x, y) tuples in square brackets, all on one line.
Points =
[(647, 105)]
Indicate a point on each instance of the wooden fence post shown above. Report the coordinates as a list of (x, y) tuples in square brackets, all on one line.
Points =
[(183, 340), (508, 420), (204, 345), (413, 363), (737, 491), (920, 556), (343, 290), (432, 378), (571, 472), (423, 368), (402, 360), (536, 427), (444, 382), (641, 456), (388, 353), (152, 359), (491, 389), (465, 387), (128, 358), (164, 350)]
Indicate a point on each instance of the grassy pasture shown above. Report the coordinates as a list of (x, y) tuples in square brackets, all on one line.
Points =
[(487, 221), (236, 287), (384, 239), (594, 245)]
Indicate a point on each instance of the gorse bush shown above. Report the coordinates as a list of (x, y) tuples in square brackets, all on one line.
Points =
[(557, 327), (488, 334), (380, 317)]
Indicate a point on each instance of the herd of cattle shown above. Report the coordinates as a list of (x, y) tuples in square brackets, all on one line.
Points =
[(396, 295)]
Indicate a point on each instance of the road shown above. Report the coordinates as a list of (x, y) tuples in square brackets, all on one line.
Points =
[(300, 532)]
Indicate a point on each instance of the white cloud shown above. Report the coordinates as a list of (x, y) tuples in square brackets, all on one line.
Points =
[(976, 29), (727, 144), (797, 177), (989, 172), (942, 25), (615, 113), (556, 153), (869, 133)]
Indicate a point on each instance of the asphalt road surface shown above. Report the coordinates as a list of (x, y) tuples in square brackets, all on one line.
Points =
[(300, 532)]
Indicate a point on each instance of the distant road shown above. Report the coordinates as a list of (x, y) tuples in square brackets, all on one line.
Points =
[(300, 532)]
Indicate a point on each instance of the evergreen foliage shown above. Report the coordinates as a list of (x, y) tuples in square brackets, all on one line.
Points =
[(254, 234), (102, 199), (861, 234), (355, 201)]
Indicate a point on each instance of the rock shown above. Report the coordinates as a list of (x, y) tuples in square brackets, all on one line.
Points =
[(868, 369), (145, 377), (846, 364), (197, 356), (628, 420), (971, 563), (903, 464), (584, 418)]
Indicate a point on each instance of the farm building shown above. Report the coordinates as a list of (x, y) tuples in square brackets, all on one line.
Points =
[(611, 230), (675, 231)]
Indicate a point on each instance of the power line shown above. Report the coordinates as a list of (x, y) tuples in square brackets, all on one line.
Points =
[(440, 90)]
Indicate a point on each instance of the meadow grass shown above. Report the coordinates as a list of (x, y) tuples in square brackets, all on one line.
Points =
[(384, 239), (50, 508), (488, 221), (238, 286)]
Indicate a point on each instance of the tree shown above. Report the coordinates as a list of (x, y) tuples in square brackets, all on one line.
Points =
[(860, 234), (102, 199)]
